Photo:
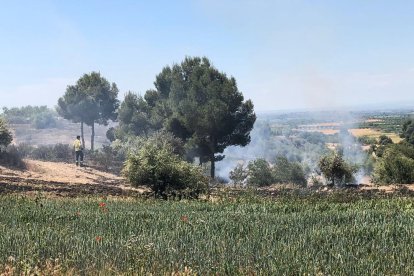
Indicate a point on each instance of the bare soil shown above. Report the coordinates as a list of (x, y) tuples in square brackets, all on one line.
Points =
[(62, 179)]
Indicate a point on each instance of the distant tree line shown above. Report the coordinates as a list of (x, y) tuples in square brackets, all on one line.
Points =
[(40, 117)]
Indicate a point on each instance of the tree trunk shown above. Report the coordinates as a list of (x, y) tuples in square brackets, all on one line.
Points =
[(93, 136), (212, 166), (82, 135)]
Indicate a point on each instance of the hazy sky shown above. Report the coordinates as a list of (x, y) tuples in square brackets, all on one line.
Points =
[(284, 54)]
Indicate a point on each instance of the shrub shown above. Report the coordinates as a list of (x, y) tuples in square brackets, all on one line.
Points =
[(58, 152), (11, 157), (44, 120), (5, 135), (336, 170), (259, 173), (285, 171), (108, 159), (238, 175), (154, 164), (396, 165)]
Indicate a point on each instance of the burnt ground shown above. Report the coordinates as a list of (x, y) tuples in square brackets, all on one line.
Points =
[(62, 179)]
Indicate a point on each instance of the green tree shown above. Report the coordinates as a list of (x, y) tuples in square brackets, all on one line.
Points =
[(203, 107), (285, 171), (133, 116), (335, 169), (384, 140), (5, 134), (39, 116), (91, 100), (238, 175), (408, 131), (396, 166), (259, 173)]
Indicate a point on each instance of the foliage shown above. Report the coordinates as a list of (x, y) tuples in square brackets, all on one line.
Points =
[(259, 173), (384, 140), (107, 158), (91, 100), (408, 131), (110, 134), (366, 140), (134, 117), (229, 237), (156, 164), (11, 157), (262, 173), (285, 171), (238, 175), (5, 134), (202, 106), (313, 137), (55, 153), (40, 117), (396, 166), (336, 170), (44, 120)]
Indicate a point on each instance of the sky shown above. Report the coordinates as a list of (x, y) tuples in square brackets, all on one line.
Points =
[(284, 55)]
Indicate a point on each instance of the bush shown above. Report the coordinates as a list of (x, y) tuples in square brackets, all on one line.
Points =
[(44, 120), (108, 159), (58, 152), (336, 170), (5, 135), (238, 175), (259, 173), (11, 157), (262, 173), (288, 172), (154, 164), (396, 166)]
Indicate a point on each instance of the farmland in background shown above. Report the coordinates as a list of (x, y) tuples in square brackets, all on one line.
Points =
[(64, 133)]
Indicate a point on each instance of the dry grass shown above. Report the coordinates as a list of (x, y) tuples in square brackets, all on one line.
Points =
[(61, 179), (332, 124), (358, 132)]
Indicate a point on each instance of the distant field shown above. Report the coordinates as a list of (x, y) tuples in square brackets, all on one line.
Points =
[(65, 133), (237, 236), (358, 132)]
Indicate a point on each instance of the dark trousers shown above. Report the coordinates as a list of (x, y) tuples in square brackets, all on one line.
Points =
[(79, 157)]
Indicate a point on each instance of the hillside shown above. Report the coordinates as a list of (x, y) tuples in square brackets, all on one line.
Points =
[(62, 179), (64, 133)]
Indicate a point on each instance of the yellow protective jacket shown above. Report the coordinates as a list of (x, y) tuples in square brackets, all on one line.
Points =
[(77, 145)]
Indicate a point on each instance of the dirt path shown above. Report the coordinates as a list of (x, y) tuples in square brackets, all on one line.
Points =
[(61, 179)]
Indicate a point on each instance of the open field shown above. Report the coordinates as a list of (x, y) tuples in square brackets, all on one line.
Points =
[(332, 235), (64, 134), (373, 133), (62, 179)]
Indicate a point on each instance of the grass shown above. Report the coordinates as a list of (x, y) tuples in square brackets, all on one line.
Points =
[(291, 235), (373, 133)]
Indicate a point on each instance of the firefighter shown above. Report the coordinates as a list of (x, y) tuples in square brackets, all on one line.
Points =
[(77, 145)]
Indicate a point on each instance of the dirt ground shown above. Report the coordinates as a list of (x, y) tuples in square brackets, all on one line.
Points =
[(61, 179), (66, 180)]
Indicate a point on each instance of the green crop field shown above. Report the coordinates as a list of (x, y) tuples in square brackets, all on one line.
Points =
[(330, 235)]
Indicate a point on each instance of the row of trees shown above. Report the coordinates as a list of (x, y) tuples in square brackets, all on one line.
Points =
[(192, 100), (40, 117)]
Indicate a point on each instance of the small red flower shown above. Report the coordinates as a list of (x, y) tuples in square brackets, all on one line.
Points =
[(98, 238), (184, 218), (102, 204)]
